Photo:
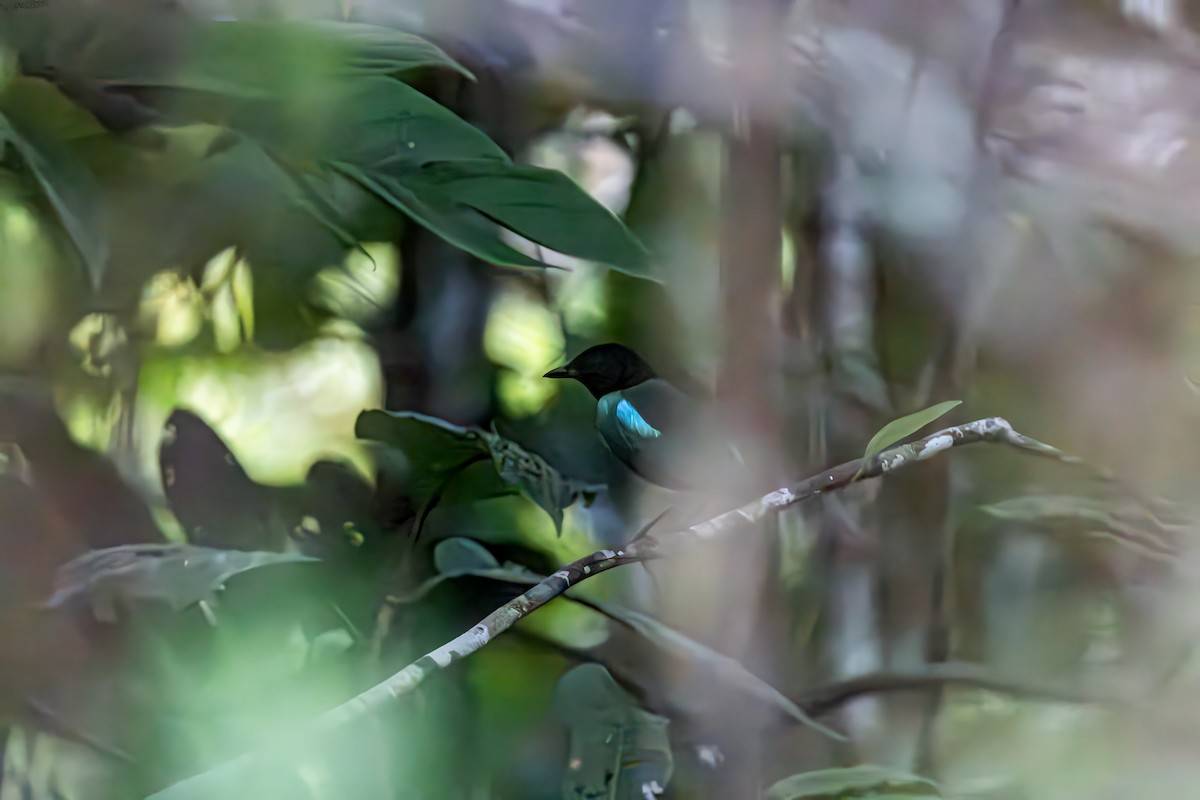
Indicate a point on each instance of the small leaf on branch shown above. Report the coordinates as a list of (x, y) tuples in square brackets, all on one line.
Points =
[(902, 428)]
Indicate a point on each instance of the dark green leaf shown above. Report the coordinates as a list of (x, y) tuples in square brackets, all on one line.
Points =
[(434, 450), (381, 124), (69, 189), (459, 557), (543, 205), (178, 575), (438, 452), (541, 482), (904, 427), (618, 750), (866, 781), (461, 226)]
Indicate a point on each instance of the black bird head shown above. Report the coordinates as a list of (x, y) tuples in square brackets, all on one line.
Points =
[(605, 368)]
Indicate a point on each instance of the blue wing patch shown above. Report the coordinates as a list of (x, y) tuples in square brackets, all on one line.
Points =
[(632, 421)]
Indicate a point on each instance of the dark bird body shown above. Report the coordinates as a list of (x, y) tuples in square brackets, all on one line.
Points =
[(651, 426)]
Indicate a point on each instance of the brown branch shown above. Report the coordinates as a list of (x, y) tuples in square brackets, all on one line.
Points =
[(235, 771)]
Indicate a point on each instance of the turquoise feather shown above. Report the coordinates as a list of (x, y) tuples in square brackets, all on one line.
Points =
[(629, 417)]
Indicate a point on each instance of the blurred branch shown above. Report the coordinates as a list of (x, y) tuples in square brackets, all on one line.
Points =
[(993, 429), (824, 699)]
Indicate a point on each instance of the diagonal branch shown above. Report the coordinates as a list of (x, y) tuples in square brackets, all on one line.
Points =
[(993, 429)]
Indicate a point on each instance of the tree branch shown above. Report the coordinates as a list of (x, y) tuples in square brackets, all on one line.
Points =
[(824, 699), (992, 429)]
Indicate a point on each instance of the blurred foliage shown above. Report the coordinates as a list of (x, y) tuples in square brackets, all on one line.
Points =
[(278, 286)]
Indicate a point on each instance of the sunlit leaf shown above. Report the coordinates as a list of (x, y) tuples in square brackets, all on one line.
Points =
[(864, 781), (178, 575), (618, 750), (39, 103), (904, 427), (69, 189)]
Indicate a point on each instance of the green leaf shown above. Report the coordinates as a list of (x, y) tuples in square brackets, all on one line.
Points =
[(69, 188), (543, 205), (463, 227), (904, 427), (178, 575), (467, 201), (381, 125), (438, 452), (34, 102), (541, 482), (254, 59), (381, 50), (865, 781), (618, 750), (434, 450), (459, 556)]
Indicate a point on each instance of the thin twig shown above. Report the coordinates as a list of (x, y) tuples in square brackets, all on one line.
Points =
[(220, 777)]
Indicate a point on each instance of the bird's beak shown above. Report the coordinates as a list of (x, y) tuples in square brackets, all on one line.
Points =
[(558, 372)]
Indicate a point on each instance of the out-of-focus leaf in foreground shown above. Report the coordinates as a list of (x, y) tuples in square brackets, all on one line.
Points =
[(863, 781), (618, 750), (177, 575)]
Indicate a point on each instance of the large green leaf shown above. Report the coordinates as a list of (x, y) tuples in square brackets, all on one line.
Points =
[(69, 189), (438, 452), (177, 575), (543, 205), (864, 782), (467, 201), (904, 427), (618, 750), (461, 226), (379, 50), (383, 125), (255, 59)]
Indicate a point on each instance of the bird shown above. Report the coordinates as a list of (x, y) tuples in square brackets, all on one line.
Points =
[(654, 428)]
